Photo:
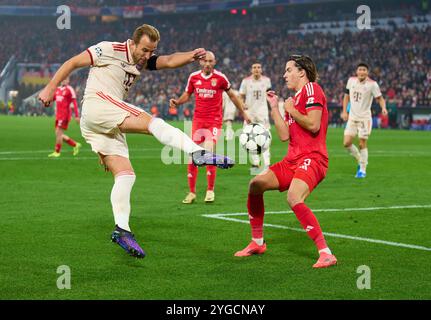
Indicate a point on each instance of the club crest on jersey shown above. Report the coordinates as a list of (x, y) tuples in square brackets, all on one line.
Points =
[(213, 82), (98, 51)]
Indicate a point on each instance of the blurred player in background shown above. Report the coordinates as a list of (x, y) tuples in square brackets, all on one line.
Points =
[(253, 91), (229, 114), (64, 96), (360, 91), (106, 118), (304, 167), (208, 85)]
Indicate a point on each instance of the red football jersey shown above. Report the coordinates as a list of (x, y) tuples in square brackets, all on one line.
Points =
[(208, 92), (64, 96), (303, 142)]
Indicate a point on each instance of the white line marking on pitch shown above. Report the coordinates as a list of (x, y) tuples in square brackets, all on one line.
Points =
[(225, 217)]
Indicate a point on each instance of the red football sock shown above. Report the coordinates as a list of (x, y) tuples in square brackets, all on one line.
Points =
[(70, 142), (211, 176), (58, 147), (310, 224), (256, 211), (192, 175)]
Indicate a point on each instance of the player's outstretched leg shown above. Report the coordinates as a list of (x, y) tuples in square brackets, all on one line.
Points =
[(58, 143), (174, 137)]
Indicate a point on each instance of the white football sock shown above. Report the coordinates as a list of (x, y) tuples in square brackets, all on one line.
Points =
[(326, 250), (171, 136), (259, 241), (363, 159), (266, 158), (353, 150), (120, 199)]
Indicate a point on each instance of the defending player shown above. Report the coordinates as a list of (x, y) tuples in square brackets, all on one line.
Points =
[(360, 91), (253, 92), (64, 97), (106, 118), (305, 165), (208, 85)]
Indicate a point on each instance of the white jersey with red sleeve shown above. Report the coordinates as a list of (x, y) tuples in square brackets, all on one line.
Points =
[(208, 92), (113, 70)]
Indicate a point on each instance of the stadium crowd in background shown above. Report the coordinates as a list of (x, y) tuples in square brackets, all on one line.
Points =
[(399, 59)]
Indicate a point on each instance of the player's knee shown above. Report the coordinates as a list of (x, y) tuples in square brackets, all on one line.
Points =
[(362, 144), (257, 186), (293, 198), (347, 143)]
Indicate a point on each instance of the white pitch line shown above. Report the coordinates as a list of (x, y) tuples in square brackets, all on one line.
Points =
[(414, 206), (224, 217)]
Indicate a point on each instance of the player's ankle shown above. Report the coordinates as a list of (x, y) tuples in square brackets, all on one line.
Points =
[(259, 241)]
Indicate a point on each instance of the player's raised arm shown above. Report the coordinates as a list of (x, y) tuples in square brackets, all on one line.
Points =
[(280, 124), (239, 104), (179, 59), (81, 60)]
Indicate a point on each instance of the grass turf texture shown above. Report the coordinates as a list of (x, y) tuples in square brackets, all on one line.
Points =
[(57, 212)]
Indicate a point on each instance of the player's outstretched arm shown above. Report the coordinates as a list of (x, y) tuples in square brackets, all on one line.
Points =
[(239, 104), (311, 121), (179, 59), (81, 60), (174, 103), (280, 124)]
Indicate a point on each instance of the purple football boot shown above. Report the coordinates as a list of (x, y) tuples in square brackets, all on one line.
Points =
[(126, 240), (205, 157)]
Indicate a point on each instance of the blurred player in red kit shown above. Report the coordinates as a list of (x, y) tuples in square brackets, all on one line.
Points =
[(64, 96), (305, 165), (208, 85)]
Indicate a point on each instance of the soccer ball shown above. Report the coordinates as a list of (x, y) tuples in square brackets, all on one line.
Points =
[(255, 138)]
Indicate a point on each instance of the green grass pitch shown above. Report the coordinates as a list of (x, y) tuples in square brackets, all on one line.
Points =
[(57, 212)]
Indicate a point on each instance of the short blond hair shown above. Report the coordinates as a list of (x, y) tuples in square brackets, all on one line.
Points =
[(148, 30)]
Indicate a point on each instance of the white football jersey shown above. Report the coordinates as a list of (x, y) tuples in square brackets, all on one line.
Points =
[(112, 69), (229, 108), (361, 97), (255, 97)]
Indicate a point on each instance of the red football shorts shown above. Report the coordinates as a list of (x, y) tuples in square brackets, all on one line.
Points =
[(310, 170), (61, 123), (205, 130)]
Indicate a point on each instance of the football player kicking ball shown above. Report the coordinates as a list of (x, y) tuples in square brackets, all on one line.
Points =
[(304, 166), (64, 96), (106, 117)]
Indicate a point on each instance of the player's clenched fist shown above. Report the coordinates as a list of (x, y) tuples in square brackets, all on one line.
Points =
[(173, 103), (289, 105), (199, 54), (46, 96)]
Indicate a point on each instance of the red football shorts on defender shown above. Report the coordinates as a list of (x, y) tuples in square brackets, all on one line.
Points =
[(310, 170), (205, 130), (61, 123)]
